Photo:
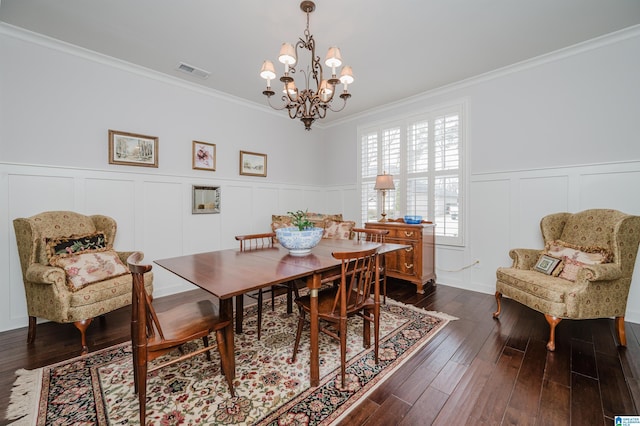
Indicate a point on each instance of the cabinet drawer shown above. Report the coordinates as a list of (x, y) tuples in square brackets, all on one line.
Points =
[(406, 234)]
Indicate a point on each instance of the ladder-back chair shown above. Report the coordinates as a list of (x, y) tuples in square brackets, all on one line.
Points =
[(156, 333), (359, 271)]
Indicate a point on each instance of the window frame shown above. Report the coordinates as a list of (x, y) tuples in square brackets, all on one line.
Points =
[(403, 177)]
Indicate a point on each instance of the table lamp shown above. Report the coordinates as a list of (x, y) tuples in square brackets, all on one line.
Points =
[(384, 182)]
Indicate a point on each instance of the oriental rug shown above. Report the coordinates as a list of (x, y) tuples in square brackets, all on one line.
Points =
[(97, 389)]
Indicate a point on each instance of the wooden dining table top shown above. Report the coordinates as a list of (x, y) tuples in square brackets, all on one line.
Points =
[(231, 272)]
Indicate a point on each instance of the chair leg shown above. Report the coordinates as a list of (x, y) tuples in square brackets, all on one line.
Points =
[(140, 381), (496, 314), (553, 321), (259, 313), (31, 335), (82, 326), (205, 342), (343, 348), (298, 334), (226, 364), (622, 336), (273, 298)]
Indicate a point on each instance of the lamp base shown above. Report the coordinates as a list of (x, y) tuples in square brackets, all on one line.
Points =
[(383, 218)]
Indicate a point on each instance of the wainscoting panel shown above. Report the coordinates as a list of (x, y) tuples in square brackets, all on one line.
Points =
[(153, 212), (537, 197)]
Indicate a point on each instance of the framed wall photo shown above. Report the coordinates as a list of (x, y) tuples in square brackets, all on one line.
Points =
[(204, 156), (206, 199), (253, 164), (131, 149)]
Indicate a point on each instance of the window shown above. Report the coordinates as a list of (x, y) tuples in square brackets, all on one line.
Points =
[(424, 154)]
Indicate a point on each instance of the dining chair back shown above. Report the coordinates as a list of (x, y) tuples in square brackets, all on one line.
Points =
[(359, 272), (376, 236), (154, 334), (258, 242)]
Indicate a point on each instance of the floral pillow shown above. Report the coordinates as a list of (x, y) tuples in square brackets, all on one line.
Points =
[(58, 248), (338, 230), (571, 269), (88, 268), (589, 255)]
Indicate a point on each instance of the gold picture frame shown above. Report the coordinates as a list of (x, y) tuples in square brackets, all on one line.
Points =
[(203, 156), (253, 164), (132, 149)]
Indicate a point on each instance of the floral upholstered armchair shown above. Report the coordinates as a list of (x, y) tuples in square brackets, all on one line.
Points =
[(584, 271), (70, 271)]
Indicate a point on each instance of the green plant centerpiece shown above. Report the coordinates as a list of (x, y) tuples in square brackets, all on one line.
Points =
[(300, 219), (302, 237)]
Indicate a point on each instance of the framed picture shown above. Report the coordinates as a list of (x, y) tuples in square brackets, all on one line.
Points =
[(253, 164), (206, 199), (131, 149), (204, 156)]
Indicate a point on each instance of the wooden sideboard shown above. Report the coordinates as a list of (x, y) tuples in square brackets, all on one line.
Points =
[(417, 263)]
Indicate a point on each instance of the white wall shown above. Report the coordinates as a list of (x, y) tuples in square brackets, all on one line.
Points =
[(57, 103), (554, 134), (558, 133)]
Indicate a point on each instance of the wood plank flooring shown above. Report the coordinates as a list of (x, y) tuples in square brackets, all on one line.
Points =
[(477, 371)]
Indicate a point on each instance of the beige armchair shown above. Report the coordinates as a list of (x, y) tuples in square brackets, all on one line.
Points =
[(49, 292), (597, 251)]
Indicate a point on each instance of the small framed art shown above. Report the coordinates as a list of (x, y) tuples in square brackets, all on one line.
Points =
[(204, 156), (253, 164), (206, 199), (132, 149)]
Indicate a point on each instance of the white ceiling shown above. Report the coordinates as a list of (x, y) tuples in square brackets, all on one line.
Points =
[(396, 48)]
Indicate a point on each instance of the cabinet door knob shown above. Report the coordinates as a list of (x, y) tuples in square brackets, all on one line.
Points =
[(406, 265), (408, 234)]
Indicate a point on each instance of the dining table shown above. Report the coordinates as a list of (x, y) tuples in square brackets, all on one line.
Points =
[(231, 273)]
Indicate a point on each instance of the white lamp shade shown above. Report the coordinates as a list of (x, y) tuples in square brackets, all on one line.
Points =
[(384, 182), (291, 87), (346, 76), (267, 71), (287, 54), (333, 59), (326, 90)]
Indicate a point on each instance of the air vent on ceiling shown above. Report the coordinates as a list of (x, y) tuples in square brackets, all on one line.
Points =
[(197, 72)]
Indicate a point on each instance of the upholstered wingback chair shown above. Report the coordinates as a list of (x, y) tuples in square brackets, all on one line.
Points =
[(70, 272), (584, 271)]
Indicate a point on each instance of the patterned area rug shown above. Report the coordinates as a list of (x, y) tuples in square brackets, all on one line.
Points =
[(270, 389)]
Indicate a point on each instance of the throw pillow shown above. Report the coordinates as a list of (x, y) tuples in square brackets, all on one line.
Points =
[(549, 265), (571, 268), (338, 230), (88, 268), (588, 255), (60, 247)]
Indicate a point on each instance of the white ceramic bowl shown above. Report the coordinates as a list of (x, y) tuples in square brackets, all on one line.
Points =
[(299, 242)]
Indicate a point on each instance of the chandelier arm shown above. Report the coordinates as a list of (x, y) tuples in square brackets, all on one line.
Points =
[(344, 104), (277, 108)]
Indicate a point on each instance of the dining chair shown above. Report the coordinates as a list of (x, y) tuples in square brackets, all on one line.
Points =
[(257, 242), (359, 270), (156, 333), (376, 236)]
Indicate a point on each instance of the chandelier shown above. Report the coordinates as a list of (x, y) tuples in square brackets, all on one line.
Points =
[(312, 102)]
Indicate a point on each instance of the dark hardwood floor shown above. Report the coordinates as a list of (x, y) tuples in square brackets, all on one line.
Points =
[(477, 371)]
